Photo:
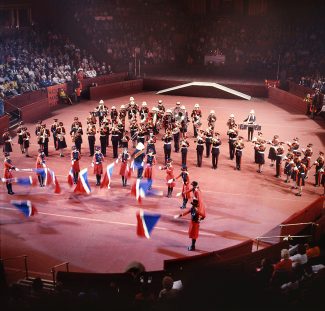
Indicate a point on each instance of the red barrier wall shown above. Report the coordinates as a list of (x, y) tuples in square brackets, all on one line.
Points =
[(106, 79), (309, 214), (299, 90), (160, 84), (53, 94), (4, 124), (26, 98), (35, 111), (116, 89), (286, 100)]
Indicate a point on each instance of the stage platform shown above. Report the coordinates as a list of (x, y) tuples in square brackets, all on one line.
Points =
[(97, 233)]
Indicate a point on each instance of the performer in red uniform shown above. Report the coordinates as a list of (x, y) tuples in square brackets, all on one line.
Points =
[(196, 217), (125, 170), (170, 180), (186, 194), (75, 157), (40, 163), (98, 165), (7, 172), (150, 162)]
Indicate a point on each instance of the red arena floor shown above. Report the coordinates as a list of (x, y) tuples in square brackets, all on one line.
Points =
[(97, 232)]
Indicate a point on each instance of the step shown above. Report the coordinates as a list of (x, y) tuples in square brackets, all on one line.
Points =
[(27, 283)]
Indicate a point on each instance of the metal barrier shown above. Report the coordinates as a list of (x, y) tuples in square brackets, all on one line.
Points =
[(284, 237), (53, 270)]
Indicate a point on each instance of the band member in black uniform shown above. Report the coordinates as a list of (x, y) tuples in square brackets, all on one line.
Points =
[(114, 115), (308, 152), (97, 163), (184, 121), (260, 156), (151, 143), (168, 120), (233, 134), (150, 162), (125, 140), (45, 133), (239, 146), (76, 134), (161, 108), (75, 157), (212, 119), (317, 103), (288, 166), (76, 123), (251, 121), (19, 133), (257, 141), (134, 132), (141, 136), (60, 132), (103, 138), (184, 148), (54, 125), (278, 161), (199, 150), (186, 193), (26, 141), (121, 128), (231, 123), (101, 111), (196, 116), (92, 117), (132, 110), (176, 136), (294, 146), (143, 112), (115, 141), (208, 135), (319, 167), (272, 151), (7, 142), (167, 139), (215, 151), (301, 176), (91, 132)]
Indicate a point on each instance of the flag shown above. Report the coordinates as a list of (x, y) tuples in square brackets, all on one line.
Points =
[(139, 189), (26, 207), (82, 184), (145, 223), (55, 183), (107, 176), (24, 181), (70, 177)]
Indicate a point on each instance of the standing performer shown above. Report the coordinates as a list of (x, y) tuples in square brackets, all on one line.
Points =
[(168, 120), (260, 156), (125, 171), (257, 141), (97, 163), (301, 175), (60, 132), (184, 122), (278, 161), (45, 135), (208, 135), (167, 139), (78, 138), (231, 123), (308, 152), (26, 138), (115, 141), (19, 133), (196, 116), (125, 140), (7, 172), (54, 125), (216, 142), (75, 157), (251, 121), (134, 132), (40, 164), (184, 148), (103, 138), (199, 150), (239, 146), (138, 156), (186, 193), (176, 135), (114, 115), (101, 111), (319, 166), (121, 129), (7, 140), (151, 143), (132, 110), (272, 151), (307, 101), (288, 166), (150, 162), (170, 180), (233, 134), (212, 119), (91, 132)]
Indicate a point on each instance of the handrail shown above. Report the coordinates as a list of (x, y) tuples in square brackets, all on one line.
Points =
[(25, 262), (299, 223), (53, 270), (285, 238)]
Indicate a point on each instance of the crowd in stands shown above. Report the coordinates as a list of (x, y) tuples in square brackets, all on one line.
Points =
[(313, 83), (31, 59)]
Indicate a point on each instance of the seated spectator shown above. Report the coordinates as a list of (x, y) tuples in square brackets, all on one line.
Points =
[(285, 264), (301, 257), (312, 251), (64, 98), (168, 292), (264, 272)]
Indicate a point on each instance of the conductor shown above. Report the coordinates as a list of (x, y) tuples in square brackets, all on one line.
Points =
[(251, 121)]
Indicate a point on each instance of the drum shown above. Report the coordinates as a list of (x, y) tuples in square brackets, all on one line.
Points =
[(242, 126), (257, 127)]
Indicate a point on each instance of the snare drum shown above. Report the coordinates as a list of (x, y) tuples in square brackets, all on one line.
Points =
[(257, 127)]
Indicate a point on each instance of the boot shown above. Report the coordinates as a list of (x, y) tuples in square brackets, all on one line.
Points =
[(123, 182), (98, 177), (192, 247), (9, 187)]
